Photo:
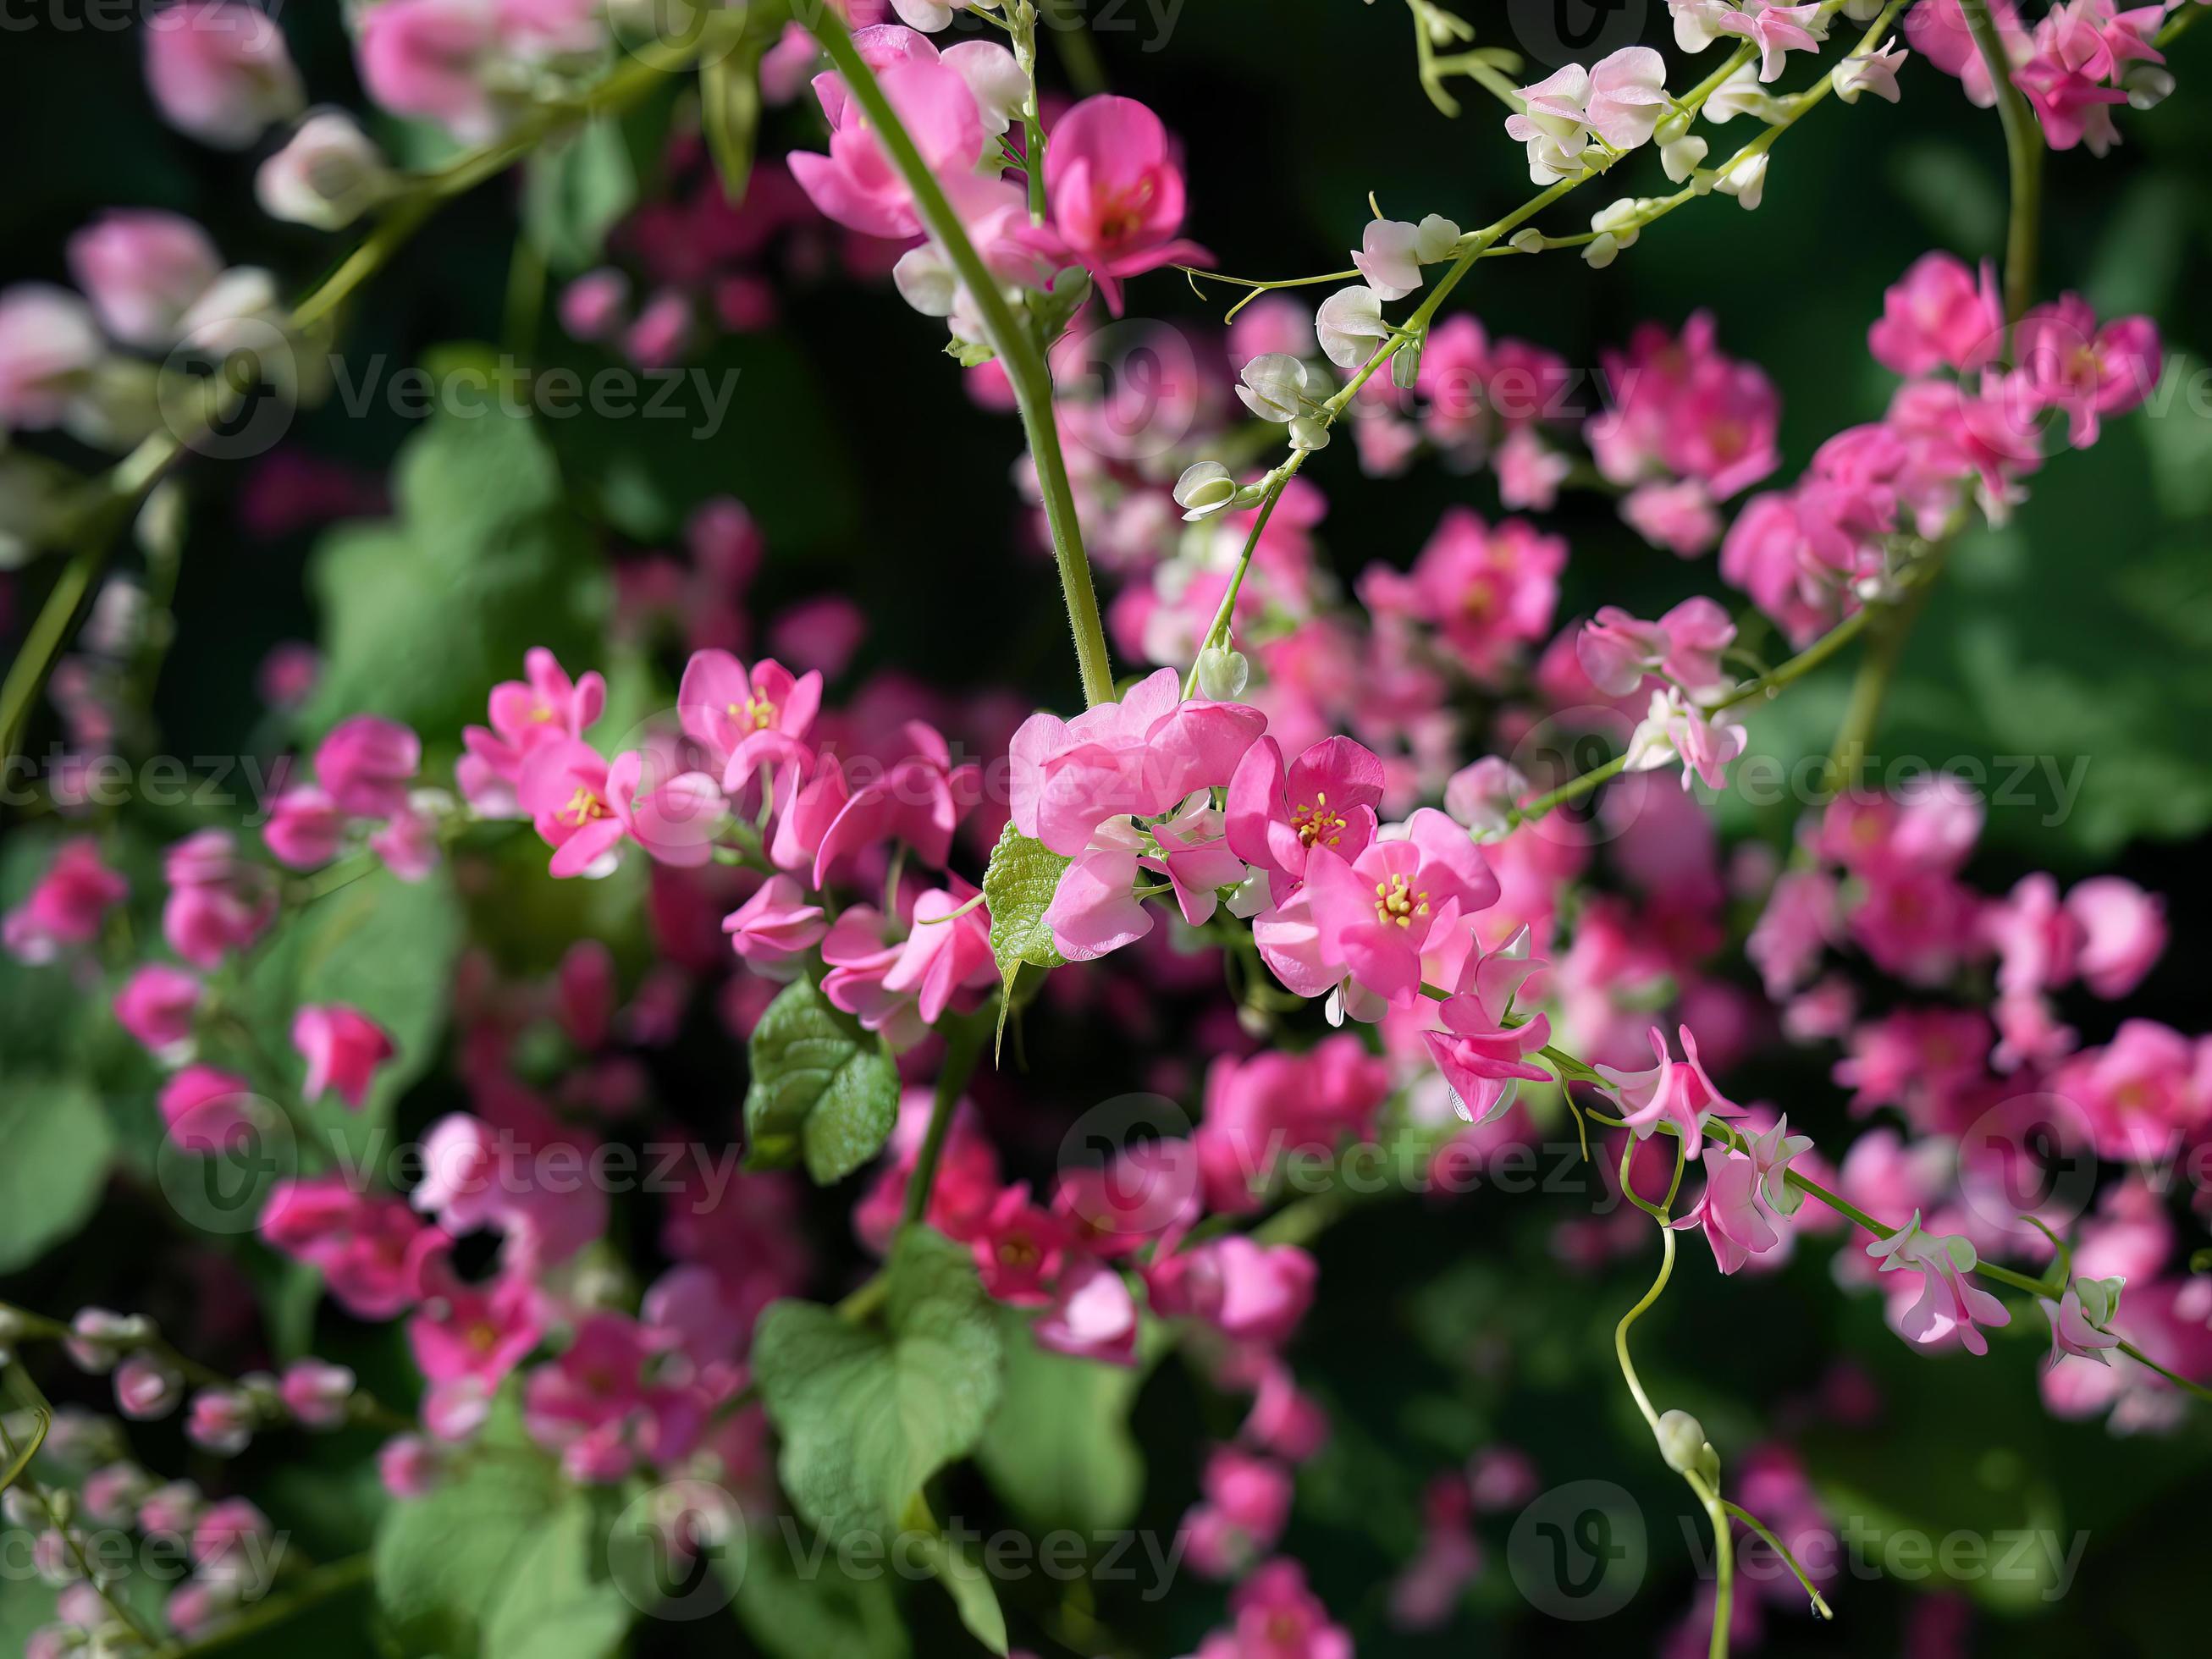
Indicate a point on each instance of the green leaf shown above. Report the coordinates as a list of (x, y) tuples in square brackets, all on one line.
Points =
[(729, 110), (794, 1610), (867, 1416), (575, 193), (1059, 1451), (1017, 889), (821, 1087), (968, 1585), (504, 1558), (423, 614), (378, 944), (55, 1148)]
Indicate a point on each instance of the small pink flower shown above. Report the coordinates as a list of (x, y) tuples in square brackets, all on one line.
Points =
[(1938, 315), (1275, 1615), (856, 183), (1478, 1052), (1117, 192), (366, 764), (316, 1392), (1488, 593), (205, 1109), (1018, 1248), (744, 717), (2069, 363), (305, 830), (49, 346), (1728, 1213), (222, 1421), (426, 58), (1245, 1505), (1675, 1092), (217, 904), (66, 907), (947, 961), (1327, 797), (1264, 1290), (409, 1466), (1679, 516), (1673, 730), (1774, 30), (1379, 914), (142, 269), (566, 793), (1685, 646), (364, 1244), (527, 714), (465, 1340), (1947, 1303), (1092, 1316), (342, 1048), (2123, 932), (147, 1387), (219, 71), (776, 924)]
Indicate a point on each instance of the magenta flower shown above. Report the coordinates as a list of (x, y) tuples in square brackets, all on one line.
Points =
[(1245, 1504), (1378, 914), (364, 1244), (527, 714), (2069, 363), (217, 904), (1275, 1615), (1938, 314), (205, 1109), (305, 829), (566, 791), (1478, 1052), (66, 907), (466, 1338), (1117, 192), (776, 924), (1675, 1092), (342, 1048), (856, 183), (219, 71), (1018, 1248), (1947, 1303), (1093, 1315), (595, 1406), (157, 1006), (1141, 756), (1328, 797), (1488, 592), (366, 764), (2123, 932), (744, 718)]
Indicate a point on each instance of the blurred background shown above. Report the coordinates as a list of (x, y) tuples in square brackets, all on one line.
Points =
[(1445, 1329)]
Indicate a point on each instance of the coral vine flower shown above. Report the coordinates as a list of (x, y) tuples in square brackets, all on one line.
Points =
[(1328, 797), (1117, 192), (744, 717), (342, 1048), (1378, 913), (543, 707), (1617, 651), (1018, 1248), (1775, 30), (856, 182), (1728, 1213), (1947, 1303), (1675, 1092), (1478, 1052), (66, 907)]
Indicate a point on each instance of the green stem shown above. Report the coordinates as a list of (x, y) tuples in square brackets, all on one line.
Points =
[(1024, 364), (1218, 632), (964, 1044), (2023, 159), (1819, 1602)]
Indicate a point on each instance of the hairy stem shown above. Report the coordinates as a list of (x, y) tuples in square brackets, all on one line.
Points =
[(1025, 366), (2023, 160)]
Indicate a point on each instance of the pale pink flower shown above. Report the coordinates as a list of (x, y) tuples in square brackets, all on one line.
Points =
[(1674, 731), (1092, 1317), (1728, 1211), (142, 269), (428, 58), (856, 183), (147, 1387), (1775, 30), (1675, 1092), (2072, 1328), (1874, 70), (316, 1392), (1479, 1054), (2123, 932), (219, 71), (947, 961), (1947, 1303), (1685, 646)]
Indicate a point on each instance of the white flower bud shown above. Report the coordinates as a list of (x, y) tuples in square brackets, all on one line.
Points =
[(1620, 218), (1223, 674), (1272, 384), (1205, 487), (1601, 251), (1681, 157), (1347, 320), (1307, 432), (1529, 239), (1746, 181), (1434, 239), (1672, 126), (2147, 86), (327, 175), (1681, 1441), (926, 282)]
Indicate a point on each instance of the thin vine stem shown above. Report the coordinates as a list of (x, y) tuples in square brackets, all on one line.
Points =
[(2023, 162), (1026, 369)]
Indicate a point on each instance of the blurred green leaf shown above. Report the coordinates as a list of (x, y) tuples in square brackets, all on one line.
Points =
[(55, 1148), (575, 193), (729, 110), (794, 1610), (1059, 1451), (867, 1415), (422, 615), (821, 1086)]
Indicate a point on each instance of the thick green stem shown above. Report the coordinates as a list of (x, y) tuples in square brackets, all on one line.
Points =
[(964, 1044), (2023, 159), (1017, 353)]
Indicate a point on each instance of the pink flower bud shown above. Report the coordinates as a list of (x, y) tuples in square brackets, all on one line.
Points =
[(366, 765), (317, 1393), (147, 1387), (143, 269), (342, 1048), (156, 1006), (219, 71)]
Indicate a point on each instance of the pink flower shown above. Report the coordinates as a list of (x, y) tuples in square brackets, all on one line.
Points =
[(1938, 315), (2072, 1331), (1277, 1617), (1681, 408), (205, 1109), (2069, 363), (527, 714), (342, 1048), (366, 764), (595, 1406), (147, 1387), (947, 961), (2038, 942), (856, 183), (316, 1392), (861, 947), (1478, 1052), (776, 924), (157, 1006), (1947, 1303), (1282, 1420), (1327, 797), (2145, 1092), (571, 797), (1728, 1213), (66, 907), (142, 269), (426, 58), (1378, 914), (745, 717), (1488, 593), (467, 1338), (1141, 756), (1147, 1191), (2123, 932), (1678, 516), (1246, 1503), (1800, 922), (219, 71), (1018, 1248), (1116, 193), (1264, 1290), (222, 1421), (216, 903), (408, 1465), (1675, 1092), (49, 346), (1673, 730), (363, 1244), (1092, 1317), (1774, 30), (1686, 646), (305, 830)]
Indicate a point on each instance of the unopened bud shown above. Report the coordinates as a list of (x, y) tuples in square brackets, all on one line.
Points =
[(1405, 364), (1602, 251), (1434, 237), (1529, 239), (1222, 673), (1307, 432), (1681, 1441), (2147, 86), (1205, 487), (1681, 156)]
